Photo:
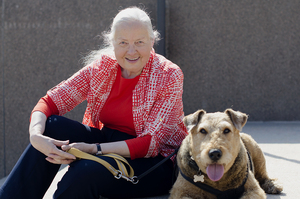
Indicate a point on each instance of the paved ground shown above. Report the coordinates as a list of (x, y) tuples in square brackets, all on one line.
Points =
[(280, 142)]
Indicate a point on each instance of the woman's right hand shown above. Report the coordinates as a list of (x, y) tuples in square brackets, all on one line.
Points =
[(47, 145)]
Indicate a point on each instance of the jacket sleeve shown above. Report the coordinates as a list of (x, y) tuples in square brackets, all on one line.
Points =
[(165, 121), (46, 106), (68, 94)]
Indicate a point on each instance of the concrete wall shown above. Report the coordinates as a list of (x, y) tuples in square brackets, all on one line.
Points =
[(239, 54)]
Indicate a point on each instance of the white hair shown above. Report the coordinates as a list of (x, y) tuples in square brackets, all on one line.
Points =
[(128, 15)]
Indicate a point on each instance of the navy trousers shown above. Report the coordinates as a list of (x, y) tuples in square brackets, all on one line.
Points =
[(32, 174)]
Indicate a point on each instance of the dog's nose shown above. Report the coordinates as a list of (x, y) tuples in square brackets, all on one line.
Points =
[(215, 154)]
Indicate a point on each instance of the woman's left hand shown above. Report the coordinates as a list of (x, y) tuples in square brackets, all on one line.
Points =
[(85, 147)]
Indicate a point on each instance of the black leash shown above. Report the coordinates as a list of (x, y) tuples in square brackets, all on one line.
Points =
[(137, 178)]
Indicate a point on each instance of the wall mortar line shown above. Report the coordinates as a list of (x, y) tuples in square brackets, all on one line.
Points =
[(3, 86)]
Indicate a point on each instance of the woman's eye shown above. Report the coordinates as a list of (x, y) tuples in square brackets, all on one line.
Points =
[(203, 131), (226, 131), (122, 43), (139, 43)]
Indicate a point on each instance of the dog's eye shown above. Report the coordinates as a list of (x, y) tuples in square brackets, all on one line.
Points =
[(226, 131), (203, 131)]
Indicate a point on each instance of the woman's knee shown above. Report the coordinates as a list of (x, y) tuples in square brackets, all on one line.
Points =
[(62, 128), (53, 126)]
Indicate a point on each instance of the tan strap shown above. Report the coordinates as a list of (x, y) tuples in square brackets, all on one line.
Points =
[(119, 160)]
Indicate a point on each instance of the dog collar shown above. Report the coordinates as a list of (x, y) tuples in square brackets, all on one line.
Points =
[(228, 194)]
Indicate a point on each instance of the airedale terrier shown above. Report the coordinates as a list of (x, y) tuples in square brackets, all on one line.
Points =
[(217, 161)]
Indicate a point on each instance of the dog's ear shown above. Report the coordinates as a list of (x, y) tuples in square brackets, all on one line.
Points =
[(193, 119), (238, 119)]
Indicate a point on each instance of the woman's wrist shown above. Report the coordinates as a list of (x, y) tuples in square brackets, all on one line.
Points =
[(94, 148), (34, 137)]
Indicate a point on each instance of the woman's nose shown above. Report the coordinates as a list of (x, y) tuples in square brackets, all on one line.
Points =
[(131, 49)]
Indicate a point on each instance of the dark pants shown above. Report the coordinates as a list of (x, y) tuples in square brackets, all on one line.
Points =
[(32, 175)]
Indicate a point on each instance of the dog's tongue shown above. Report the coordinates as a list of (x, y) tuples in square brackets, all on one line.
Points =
[(215, 171)]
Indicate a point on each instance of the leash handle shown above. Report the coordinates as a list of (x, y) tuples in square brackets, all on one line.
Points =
[(121, 173)]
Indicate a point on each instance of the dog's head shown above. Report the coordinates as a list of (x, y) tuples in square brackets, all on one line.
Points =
[(215, 140)]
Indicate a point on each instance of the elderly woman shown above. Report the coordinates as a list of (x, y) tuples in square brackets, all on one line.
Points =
[(134, 109)]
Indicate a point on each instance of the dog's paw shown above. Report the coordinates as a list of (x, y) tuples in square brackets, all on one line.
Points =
[(272, 186)]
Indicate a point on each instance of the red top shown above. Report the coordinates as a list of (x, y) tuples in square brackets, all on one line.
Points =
[(118, 107), (117, 110)]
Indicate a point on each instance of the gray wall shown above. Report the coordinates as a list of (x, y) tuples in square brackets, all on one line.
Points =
[(239, 54)]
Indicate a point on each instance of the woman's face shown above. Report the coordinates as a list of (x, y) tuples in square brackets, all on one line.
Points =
[(132, 46)]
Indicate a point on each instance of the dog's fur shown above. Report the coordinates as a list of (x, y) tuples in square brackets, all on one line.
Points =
[(221, 131)]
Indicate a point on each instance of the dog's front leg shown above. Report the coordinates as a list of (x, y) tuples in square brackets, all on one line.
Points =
[(252, 189), (179, 190)]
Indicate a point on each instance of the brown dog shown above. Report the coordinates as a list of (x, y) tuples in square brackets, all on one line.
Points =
[(217, 161)]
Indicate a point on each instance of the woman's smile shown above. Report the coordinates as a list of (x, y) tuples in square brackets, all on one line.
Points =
[(132, 59)]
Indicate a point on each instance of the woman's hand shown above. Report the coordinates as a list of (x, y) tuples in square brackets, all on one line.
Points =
[(88, 148), (49, 147)]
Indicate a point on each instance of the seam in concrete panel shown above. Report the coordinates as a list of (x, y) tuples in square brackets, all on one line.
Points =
[(3, 86)]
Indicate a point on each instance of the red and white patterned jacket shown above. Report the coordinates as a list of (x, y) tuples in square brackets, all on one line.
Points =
[(157, 99)]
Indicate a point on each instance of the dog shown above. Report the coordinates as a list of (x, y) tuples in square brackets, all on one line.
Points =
[(216, 160)]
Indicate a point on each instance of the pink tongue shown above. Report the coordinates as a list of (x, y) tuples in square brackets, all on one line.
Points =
[(215, 171)]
